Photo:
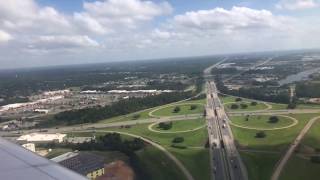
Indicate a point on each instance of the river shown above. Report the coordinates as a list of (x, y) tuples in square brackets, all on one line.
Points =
[(298, 77)]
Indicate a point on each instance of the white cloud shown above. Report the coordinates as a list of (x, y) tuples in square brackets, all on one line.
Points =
[(62, 42), (4, 36), (116, 14), (85, 21), (238, 18), (133, 9), (296, 4)]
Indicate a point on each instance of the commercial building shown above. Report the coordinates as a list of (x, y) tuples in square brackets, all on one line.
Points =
[(42, 138), (88, 164)]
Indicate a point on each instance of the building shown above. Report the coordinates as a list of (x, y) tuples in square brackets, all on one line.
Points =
[(42, 138), (30, 147), (88, 164)]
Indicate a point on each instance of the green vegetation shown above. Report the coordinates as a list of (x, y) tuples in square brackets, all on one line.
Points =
[(312, 138), (190, 151), (195, 160), (308, 89), (194, 138), (165, 125), (275, 139), (91, 115), (179, 109), (260, 134), (298, 168), (261, 121), (273, 119), (245, 106), (157, 165), (260, 165), (57, 152), (182, 125), (178, 140)]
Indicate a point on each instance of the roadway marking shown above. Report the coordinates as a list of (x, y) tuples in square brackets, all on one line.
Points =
[(295, 122)]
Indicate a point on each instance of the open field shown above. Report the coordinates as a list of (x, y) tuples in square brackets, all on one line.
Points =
[(312, 138), (259, 106), (194, 156), (261, 121), (196, 160), (144, 114), (182, 125), (299, 168), (275, 140), (162, 169), (194, 138), (260, 165)]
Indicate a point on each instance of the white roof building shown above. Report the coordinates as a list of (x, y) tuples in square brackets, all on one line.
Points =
[(30, 147), (37, 137)]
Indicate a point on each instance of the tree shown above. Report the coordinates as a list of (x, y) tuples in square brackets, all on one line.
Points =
[(234, 106), (273, 119), (243, 106), (238, 99), (176, 109), (261, 134), (178, 140), (253, 103), (193, 107), (315, 159), (165, 125), (136, 116)]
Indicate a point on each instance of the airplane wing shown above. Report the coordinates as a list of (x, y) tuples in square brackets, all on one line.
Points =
[(17, 163)]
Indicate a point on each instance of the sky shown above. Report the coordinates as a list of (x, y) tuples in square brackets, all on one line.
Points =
[(58, 32)]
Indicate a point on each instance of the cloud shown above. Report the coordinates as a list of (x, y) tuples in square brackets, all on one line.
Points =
[(99, 16), (237, 18), (4, 36), (132, 9), (62, 42), (296, 4)]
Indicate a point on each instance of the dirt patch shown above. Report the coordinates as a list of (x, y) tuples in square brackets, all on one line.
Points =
[(118, 170)]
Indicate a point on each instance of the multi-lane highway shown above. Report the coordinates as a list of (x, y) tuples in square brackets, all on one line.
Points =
[(225, 160)]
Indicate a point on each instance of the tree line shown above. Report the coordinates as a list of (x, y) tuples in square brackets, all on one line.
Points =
[(122, 107)]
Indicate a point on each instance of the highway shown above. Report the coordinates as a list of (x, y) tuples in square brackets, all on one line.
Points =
[(226, 163)]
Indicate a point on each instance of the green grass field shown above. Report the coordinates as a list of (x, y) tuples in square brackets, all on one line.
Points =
[(312, 138), (298, 168), (195, 160), (275, 139), (260, 121), (184, 109), (194, 138), (157, 165), (259, 165), (182, 125), (57, 152), (259, 106), (194, 156)]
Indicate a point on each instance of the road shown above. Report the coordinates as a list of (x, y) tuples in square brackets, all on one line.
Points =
[(292, 147), (224, 158), (106, 125)]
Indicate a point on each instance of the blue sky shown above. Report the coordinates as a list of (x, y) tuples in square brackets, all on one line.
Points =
[(55, 32)]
